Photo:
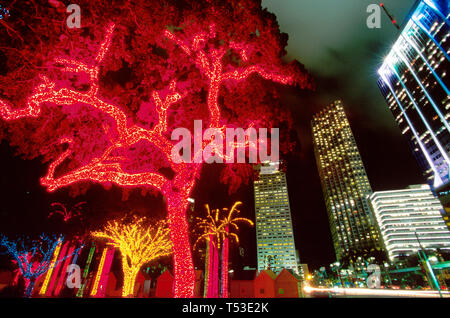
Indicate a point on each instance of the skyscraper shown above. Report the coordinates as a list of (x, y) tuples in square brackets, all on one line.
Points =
[(414, 80), (344, 183), (407, 217), (274, 233)]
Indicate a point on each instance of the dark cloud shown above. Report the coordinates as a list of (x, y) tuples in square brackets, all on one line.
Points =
[(336, 55), (332, 39)]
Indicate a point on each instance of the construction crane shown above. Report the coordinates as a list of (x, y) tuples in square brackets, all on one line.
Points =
[(393, 20)]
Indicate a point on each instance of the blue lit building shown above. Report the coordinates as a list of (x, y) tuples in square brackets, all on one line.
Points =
[(414, 79)]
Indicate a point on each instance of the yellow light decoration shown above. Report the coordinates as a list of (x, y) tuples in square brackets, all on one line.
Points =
[(219, 227), (99, 273), (50, 271), (139, 243)]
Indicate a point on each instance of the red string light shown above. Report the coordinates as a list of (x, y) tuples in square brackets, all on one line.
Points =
[(107, 169)]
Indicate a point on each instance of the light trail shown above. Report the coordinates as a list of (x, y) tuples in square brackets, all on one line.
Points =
[(369, 292)]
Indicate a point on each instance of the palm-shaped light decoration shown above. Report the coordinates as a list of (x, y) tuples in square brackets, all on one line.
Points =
[(66, 213), (215, 229)]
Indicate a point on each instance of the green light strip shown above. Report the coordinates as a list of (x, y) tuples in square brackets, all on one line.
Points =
[(86, 270)]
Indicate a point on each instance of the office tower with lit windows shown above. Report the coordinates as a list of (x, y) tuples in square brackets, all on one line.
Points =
[(409, 217), (414, 79), (345, 185), (274, 232)]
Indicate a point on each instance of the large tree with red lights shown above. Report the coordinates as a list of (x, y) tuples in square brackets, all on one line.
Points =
[(98, 104)]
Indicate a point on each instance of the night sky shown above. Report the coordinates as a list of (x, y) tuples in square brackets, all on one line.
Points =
[(331, 39)]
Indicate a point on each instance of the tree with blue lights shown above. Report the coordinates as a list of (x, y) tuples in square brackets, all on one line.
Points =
[(34, 257), (3, 12)]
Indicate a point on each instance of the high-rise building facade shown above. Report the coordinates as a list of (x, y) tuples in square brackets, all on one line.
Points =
[(274, 232), (414, 79), (409, 218), (344, 183)]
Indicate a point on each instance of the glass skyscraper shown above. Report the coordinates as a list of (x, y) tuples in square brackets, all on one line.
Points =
[(345, 184), (274, 233), (414, 79), (409, 217)]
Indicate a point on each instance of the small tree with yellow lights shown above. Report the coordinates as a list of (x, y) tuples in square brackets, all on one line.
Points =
[(215, 229), (139, 243)]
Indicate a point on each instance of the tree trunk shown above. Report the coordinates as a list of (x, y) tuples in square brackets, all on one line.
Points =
[(29, 286), (215, 270), (208, 269), (129, 279), (225, 247), (184, 276)]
